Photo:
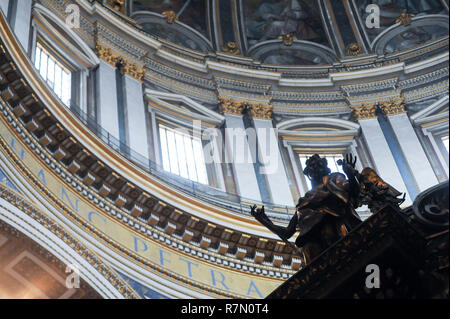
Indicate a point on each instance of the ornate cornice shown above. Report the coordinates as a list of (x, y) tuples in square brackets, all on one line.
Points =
[(111, 57), (364, 111), (393, 106)]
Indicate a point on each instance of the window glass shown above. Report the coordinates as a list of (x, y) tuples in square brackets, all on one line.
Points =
[(445, 141), (182, 154), (58, 78)]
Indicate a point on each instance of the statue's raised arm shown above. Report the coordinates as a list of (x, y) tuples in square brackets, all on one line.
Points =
[(368, 188)]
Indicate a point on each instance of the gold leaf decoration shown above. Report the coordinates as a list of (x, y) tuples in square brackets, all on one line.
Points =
[(288, 38), (231, 47), (404, 19), (170, 16), (353, 49), (364, 112), (230, 106), (393, 106)]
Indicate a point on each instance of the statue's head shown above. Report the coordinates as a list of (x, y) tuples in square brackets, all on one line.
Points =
[(316, 168)]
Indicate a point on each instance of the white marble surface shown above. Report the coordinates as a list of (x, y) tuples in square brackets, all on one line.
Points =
[(22, 22), (274, 168), (135, 109), (4, 6), (413, 152), (243, 168), (107, 99)]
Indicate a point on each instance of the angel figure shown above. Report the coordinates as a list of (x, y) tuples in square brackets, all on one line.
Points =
[(327, 212)]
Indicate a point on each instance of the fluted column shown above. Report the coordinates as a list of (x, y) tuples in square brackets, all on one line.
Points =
[(273, 167), (409, 143), (238, 151), (379, 149)]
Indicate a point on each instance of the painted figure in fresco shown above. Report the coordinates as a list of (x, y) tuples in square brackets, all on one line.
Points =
[(391, 10), (327, 212), (190, 12), (273, 19)]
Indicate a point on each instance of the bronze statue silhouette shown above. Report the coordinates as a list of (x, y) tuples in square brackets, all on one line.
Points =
[(327, 212)]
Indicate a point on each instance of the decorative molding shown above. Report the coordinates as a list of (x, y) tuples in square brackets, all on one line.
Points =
[(404, 19), (288, 39), (364, 112), (353, 49), (230, 106), (261, 111), (393, 106), (232, 48), (115, 59), (171, 16), (117, 5), (107, 54), (133, 70)]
